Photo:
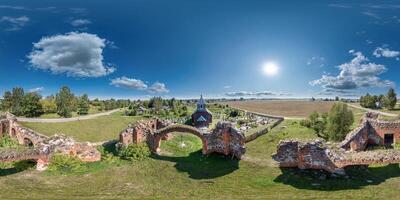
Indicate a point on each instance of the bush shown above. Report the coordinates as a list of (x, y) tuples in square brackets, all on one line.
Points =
[(65, 164), (6, 141), (135, 152)]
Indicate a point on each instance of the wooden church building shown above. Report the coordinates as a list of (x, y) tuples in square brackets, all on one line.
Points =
[(201, 116)]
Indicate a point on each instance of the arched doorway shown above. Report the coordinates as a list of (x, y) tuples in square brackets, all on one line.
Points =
[(182, 129), (13, 133), (28, 142)]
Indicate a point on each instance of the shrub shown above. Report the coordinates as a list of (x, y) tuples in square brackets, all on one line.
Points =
[(135, 152), (65, 164), (6, 141)]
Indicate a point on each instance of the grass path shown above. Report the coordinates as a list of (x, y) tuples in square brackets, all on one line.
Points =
[(372, 110), (72, 119)]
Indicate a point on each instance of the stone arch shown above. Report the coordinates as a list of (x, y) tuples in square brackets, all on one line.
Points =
[(159, 134), (28, 142), (13, 133)]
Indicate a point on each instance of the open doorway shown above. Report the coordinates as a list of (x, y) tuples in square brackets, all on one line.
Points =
[(388, 139)]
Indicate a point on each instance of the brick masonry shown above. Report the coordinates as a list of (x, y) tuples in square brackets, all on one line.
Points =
[(43, 146), (332, 157), (224, 139)]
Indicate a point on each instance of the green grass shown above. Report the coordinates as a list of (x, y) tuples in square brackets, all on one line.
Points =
[(93, 130), (183, 173), (92, 110)]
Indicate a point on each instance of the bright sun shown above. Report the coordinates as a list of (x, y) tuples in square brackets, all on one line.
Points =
[(270, 68)]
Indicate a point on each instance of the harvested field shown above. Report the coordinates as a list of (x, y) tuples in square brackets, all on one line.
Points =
[(287, 108)]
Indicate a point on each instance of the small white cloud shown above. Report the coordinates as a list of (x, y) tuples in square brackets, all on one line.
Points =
[(128, 83), (81, 11), (15, 23), (316, 61), (74, 54), (137, 84), (371, 14), (227, 87), (38, 89), (158, 87), (385, 52), (337, 5), (256, 94), (12, 7), (80, 22)]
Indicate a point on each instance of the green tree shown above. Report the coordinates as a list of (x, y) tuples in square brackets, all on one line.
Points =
[(49, 104), (31, 105), (391, 99), (65, 100), (17, 98), (6, 103), (156, 103), (339, 121), (83, 105)]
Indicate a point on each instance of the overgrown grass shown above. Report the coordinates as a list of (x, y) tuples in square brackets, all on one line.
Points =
[(94, 130)]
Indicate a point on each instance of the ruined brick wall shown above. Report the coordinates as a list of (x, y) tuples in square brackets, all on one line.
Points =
[(319, 155), (43, 146), (223, 139), (380, 128), (371, 131)]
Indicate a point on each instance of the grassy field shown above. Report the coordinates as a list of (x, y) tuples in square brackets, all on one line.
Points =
[(184, 173), (287, 108), (93, 130), (92, 110)]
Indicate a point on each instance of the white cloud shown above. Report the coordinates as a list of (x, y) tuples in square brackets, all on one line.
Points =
[(227, 87), (257, 94), (371, 14), (358, 73), (80, 22), (15, 23), (128, 83), (316, 61), (74, 54), (158, 87), (385, 52), (336, 5), (12, 7), (38, 89), (132, 83)]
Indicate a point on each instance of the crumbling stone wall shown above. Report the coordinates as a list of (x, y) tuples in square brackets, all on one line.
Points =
[(223, 139), (319, 155), (351, 151), (371, 132), (43, 146)]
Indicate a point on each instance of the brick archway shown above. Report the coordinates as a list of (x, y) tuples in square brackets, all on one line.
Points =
[(28, 142), (177, 128)]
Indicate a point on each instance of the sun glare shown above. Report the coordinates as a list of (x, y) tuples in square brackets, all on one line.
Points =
[(270, 68)]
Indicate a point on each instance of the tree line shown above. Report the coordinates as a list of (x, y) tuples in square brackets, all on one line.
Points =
[(376, 101), (64, 103)]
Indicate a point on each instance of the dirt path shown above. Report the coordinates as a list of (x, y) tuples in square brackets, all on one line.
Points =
[(60, 120), (372, 110)]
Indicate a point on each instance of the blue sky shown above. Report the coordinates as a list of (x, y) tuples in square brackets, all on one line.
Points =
[(137, 49)]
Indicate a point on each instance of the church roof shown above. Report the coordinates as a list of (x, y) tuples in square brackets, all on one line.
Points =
[(201, 119)]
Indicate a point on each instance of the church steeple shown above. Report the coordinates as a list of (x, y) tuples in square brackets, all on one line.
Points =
[(201, 104)]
